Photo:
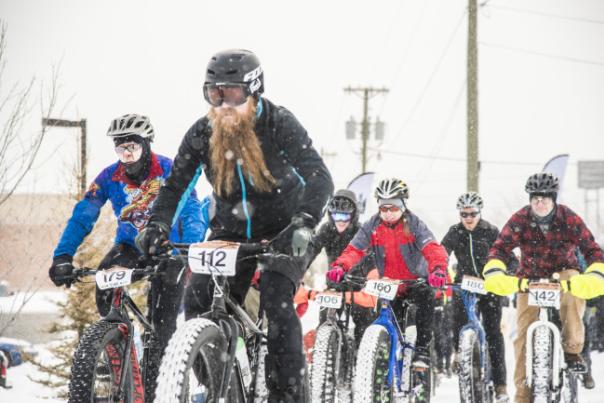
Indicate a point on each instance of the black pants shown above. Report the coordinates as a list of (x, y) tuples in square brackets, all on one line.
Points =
[(285, 360), (443, 334), (489, 308), (164, 296), (422, 297)]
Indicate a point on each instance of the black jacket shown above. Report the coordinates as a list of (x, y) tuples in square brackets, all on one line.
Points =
[(303, 182), (471, 248)]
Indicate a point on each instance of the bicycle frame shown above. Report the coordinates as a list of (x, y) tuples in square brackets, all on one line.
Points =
[(232, 329), (469, 300), (387, 319), (121, 303)]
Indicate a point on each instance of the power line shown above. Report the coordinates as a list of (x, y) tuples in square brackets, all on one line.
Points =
[(546, 14), (432, 75), (542, 54)]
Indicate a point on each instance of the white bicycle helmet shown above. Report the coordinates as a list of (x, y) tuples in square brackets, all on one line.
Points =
[(470, 200), (131, 124), (391, 188)]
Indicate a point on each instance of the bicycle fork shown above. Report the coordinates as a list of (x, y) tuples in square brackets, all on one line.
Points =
[(557, 358)]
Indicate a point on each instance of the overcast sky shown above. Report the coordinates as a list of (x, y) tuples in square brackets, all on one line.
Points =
[(541, 83)]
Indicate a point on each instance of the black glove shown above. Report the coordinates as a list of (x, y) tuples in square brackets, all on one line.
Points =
[(296, 238), (61, 270), (150, 239)]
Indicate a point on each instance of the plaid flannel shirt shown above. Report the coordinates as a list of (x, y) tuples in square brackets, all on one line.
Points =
[(543, 254)]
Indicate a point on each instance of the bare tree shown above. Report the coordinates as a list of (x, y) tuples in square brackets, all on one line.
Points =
[(18, 149)]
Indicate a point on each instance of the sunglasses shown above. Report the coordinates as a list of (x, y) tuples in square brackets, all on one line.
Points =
[(472, 214), (131, 148), (540, 199), (230, 94), (386, 208), (342, 217)]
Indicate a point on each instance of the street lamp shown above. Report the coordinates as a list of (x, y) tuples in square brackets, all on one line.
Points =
[(82, 125)]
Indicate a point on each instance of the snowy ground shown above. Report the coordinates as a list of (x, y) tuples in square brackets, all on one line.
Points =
[(27, 391)]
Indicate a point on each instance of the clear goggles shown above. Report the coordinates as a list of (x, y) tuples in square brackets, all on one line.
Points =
[(130, 147), (230, 94)]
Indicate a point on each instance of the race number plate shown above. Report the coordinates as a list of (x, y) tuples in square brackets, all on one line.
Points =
[(113, 278), (544, 295), (329, 300), (385, 289), (473, 284), (213, 257)]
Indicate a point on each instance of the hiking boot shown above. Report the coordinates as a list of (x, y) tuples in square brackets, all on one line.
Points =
[(588, 381), (501, 394), (421, 358), (575, 363)]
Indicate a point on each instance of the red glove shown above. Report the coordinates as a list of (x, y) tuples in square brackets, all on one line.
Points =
[(335, 274), (438, 277), (402, 290)]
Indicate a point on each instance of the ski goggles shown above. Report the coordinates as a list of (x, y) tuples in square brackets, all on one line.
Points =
[(130, 147), (342, 217), (230, 94)]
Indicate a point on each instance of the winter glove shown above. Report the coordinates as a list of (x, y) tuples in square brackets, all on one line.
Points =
[(438, 277), (497, 282), (335, 274), (61, 270), (150, 239), (302, 235), (588, 285)]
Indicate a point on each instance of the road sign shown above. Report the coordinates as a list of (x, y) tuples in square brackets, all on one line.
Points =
[(591, 174)]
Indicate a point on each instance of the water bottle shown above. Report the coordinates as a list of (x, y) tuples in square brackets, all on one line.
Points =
[(244, 362)]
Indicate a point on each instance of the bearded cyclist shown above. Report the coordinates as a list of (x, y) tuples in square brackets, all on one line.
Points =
[(547, 234), (268, 182), (404, 249)]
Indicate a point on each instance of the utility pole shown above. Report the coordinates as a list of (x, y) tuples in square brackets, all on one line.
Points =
[(473, 166), (82, 125), (366, 92)]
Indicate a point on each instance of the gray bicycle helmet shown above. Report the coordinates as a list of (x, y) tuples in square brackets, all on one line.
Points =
[(131, 124), (542, 182), (392, 188), (469, 200)]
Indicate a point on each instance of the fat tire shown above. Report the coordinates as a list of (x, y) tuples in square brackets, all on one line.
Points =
[(201, 342), (324, 371), (372, 367), (471, 385), (95, 340), (541, 366)]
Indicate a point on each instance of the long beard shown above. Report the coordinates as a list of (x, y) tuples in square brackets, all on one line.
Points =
[(234, 142)]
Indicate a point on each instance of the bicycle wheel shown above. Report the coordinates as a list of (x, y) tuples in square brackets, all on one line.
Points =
[(95, 372), (370, 381), (324, 371), (151, 372), (346, 372), (542, 364), (471, 385), (192, 366)]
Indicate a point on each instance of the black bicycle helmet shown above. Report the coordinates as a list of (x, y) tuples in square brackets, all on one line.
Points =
[(236, 66)]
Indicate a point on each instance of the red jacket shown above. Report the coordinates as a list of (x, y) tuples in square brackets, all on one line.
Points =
[(399, 253)]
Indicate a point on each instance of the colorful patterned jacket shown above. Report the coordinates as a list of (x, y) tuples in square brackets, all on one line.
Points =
[(398, 253), (132, 206), (543, 254)]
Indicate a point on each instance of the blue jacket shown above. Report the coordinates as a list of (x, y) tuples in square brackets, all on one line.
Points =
[(132, 206)]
